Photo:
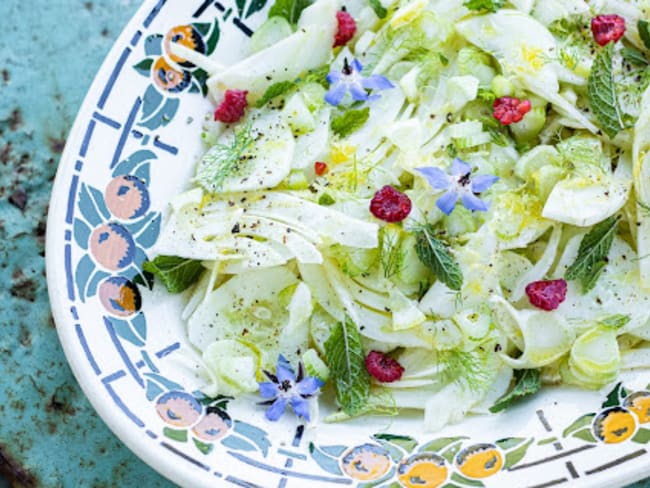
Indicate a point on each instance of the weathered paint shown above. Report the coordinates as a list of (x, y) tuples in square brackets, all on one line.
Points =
[(49, 434)]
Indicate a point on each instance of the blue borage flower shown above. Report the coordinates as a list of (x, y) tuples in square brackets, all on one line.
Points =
[(460, 185), (350, 79), (287, 388)]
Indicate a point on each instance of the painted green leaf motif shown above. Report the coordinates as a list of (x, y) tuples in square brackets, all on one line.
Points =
[(458, 478), (213, 40), (513, 457), (435, 255), (405, 442), (438, 444), (241, 4), (144, 67), (346, 360), (527, 382), (177, 274), (450, 452), (578, 424), (176, 435), (255, 6), (644, 32), (350, 121), (592, 254), (510, 442), (585, 435), (602, 93), (289, 9), (615, 396), (202, 446), (642, 436)]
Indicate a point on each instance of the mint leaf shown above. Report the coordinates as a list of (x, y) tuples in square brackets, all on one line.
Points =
[(177, 274), (634, 56), (592, 254), (380, 402), (602, 93), (435, 255), (489, 5), (275, 90), (222, 161), (289, 9), (346, 361), (527, 382), (379, 9), (350, 121), (644, 32)]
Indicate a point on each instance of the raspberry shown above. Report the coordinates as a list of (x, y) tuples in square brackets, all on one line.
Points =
[(232, 108), (347, 28), (320, 168), (546, 295), (508, 110), (383, 368), (390, 205), (607, 28)]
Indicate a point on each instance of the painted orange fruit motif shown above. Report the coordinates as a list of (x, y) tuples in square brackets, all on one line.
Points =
[(168, 78), (187, 36), (639, 404), (366, 462), (479, 461), (614, 425), (120, 297), (423, 471)]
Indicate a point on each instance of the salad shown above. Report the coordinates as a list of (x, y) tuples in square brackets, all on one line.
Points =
[(438, 205)]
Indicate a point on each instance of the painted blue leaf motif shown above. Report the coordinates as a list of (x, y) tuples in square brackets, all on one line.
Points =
[(123, 329), (136, 227), (325, 461), (165, 382), (97, 278), (153, 390), (140, 257), (255, 434), (88, 208), (237, 443), (144, 173), (100, 204), (163, 116), (149, 234), (81, 233), (153, 45), (334, 451), (139, 323), (129, 165), (82, 274), (151, 100)]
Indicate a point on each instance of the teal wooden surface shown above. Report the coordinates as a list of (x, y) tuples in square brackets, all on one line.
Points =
[(49, 434)]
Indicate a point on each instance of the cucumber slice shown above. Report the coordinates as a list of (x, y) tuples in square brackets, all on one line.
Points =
[(247, 308)]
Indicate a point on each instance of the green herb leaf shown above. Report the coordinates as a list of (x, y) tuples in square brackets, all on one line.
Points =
[(435, 255), (489, 5), (616, 321), (346, 360), (634, 56), (592, 254), (350, 121), (326, 200), (275, 90), (379, 9), (289, 9), (177, 274), (644, 32), (602, 93), (527, 382), (222, 161), (380, 402)]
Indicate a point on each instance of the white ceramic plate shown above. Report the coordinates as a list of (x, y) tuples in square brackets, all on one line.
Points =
[(134, 145)]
